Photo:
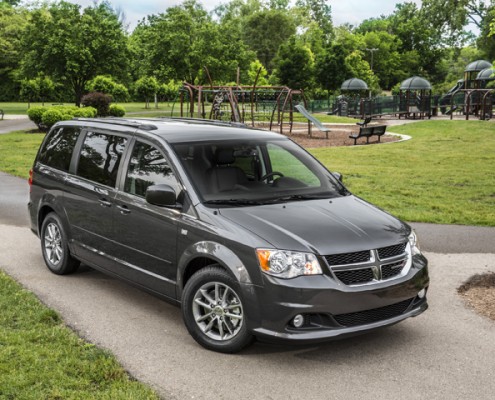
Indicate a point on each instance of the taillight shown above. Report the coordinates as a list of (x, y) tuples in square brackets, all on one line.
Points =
[(30, 180)]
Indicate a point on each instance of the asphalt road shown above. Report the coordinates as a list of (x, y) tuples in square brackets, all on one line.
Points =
[(446, 353)]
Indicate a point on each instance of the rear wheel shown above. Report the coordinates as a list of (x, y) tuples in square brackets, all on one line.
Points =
[(213, 312), (55, 248)]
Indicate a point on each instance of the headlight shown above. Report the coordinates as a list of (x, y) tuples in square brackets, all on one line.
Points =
[(413, 241), (287, 264)]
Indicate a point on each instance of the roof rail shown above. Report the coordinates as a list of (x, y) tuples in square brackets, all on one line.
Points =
[(206, 121), (121, 121)]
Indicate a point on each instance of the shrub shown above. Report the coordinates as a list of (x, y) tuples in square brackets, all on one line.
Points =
[(46, 117), (51, 117), (35, 114), (100, 101), (116, 110), (85, 112)]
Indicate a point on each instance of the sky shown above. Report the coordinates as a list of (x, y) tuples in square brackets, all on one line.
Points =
[(343, 11)]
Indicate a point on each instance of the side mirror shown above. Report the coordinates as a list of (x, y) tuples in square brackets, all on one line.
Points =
[(338, 176), (161, 195)]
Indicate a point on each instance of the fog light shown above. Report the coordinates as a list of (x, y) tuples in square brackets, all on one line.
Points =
[(422, 293), (298, 321)]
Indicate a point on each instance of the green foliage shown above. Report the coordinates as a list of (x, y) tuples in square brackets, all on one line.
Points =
[(265, 31), (168, 91), (35, 114), (295, 65), (255, 67), (116, 111), (50, 117), (46, 117), (330, 67), (99, 101), (106, 84), (146, 88), (38, 89), (74, 46)]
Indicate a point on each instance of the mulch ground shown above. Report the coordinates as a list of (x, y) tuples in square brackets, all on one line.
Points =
[(479, 293)]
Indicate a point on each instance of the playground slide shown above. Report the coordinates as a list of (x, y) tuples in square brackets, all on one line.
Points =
[(447, 97)]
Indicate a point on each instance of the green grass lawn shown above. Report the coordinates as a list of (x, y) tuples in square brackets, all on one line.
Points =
[(445, 174), (40, 358)]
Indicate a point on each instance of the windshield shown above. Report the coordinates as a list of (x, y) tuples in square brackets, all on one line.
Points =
[(255, 172)]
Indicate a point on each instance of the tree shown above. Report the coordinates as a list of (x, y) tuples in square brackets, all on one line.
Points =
[(105, 84), (451, 16), (294, 65), (74, 46), (254, 68), (265, 31), (146, 88), (29, 91), (178, 45), (13, 22), (330, 67)]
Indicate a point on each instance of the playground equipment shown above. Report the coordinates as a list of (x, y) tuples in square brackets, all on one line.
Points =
[(415, 98), (470, 95), (262, 106)]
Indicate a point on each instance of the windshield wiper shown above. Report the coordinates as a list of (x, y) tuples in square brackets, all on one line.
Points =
[(302, 197), (234, 202)]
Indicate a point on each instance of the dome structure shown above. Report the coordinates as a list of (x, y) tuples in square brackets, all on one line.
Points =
[(354, 84), (415, 83), (486, 74), (478, 65)]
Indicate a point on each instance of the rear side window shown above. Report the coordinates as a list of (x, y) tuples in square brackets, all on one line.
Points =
[(100, 157), (57, 151)]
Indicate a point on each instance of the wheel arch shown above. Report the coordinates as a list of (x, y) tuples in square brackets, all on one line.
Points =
[(203, 254)]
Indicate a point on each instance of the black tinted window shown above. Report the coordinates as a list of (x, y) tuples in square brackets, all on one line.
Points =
[(100, 157), (57, 151), (148, 167)]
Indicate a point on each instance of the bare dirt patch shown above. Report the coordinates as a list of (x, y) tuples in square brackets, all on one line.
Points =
[(479, 293)]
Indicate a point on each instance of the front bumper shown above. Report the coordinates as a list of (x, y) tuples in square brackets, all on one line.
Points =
[(332, 309)]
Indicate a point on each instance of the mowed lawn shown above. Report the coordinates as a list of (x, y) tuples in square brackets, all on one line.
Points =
[(445, 174)]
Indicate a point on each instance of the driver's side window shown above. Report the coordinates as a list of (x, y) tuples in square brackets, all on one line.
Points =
[(147, 167)]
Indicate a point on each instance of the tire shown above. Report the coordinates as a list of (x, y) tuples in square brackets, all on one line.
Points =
[(213, 312), (55, 248)]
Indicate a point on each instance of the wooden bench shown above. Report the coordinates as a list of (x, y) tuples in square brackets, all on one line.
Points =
[(311, 118), (368, 131)]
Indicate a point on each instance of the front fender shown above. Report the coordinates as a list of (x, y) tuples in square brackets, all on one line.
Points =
[(217, 252)]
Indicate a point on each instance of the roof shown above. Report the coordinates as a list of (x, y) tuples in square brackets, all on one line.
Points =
[(487, 73), (415, 83), (478, 65), (177, 130), (354, 84)]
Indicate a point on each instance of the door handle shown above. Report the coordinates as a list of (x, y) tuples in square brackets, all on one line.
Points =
[(105, 203), (124, 210)]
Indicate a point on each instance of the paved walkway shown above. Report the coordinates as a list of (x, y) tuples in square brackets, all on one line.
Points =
[(16, 123)]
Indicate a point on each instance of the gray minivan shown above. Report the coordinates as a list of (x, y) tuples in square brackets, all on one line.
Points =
[(248, 232)]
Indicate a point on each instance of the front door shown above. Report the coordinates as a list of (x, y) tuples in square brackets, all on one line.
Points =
[(145, 234)]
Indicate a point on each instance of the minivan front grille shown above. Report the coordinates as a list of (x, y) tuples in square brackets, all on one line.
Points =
[(348, 258), (373, 315), (369, 266)]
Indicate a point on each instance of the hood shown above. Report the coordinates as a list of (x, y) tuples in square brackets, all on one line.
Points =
[(340, 225)]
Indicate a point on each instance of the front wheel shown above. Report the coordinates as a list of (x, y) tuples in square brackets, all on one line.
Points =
[(55, 248), (213, 312)]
